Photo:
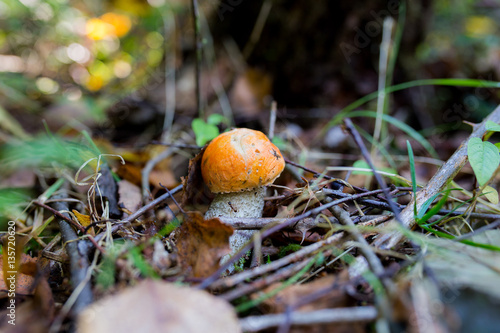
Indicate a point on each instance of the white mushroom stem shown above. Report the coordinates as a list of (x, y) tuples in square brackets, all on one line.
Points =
[(238, 204)]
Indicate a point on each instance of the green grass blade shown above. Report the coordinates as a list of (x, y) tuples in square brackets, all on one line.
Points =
[(402, 126), (472, 83), (413, 175)]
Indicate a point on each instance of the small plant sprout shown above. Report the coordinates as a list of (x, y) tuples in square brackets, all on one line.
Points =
[(237, 166), (485, 159)]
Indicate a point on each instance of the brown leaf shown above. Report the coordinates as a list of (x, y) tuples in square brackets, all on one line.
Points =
[(24, 279), (157, 306), (202, 243), (194, 188), (32, 313), (130, 195)]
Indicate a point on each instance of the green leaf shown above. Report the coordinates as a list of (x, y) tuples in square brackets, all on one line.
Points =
[(216, 119), (484, 159), (491, 194), (493, 127), (204, 132)]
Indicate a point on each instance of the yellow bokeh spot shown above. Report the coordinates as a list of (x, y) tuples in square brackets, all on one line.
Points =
[(120, 23), (479, 26), (94, 83), (109, 25), (97, 29)]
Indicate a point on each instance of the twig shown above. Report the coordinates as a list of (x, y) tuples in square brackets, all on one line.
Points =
[(170, 50), (77, 254), (215, 81), (359, 141), (337, 184), (279, 275), (146, 171), (198, 44), (152, 204), (272, 120), (68, 219), (258, 27), (313, 212), (338, 315), (176, 145), (371, 257), (443, 176), (140, 211), (233, 280), (243, 223), (478, 231)]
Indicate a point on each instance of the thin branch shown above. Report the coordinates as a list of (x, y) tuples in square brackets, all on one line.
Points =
[(77, 253), (170, 51), (338, 315), (235, 279), (272, 120), (198, 47), (152, 204), (359, 141), (438, 182)]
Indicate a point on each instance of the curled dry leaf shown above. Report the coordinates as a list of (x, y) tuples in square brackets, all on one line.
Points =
[(202, 243), (194, 188), (156, 306)]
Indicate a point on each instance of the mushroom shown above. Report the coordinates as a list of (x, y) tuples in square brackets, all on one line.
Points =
[(237, 166)]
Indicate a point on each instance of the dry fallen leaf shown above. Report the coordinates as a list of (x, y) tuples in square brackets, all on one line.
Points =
[(202, 243), (130, 196), (194, 188), (25, 278), (157, 306), (16, 267)]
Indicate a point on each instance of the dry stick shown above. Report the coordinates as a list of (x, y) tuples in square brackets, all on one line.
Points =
[(339, 315), (215, 80), (443, 176), (290, 259), (272, 120), (313, 212), (359, 141), (251, 223), (68, 219), (258, 27), (236, 279), (78, 259), (170, 52), (197, 40), (386, 206), (371, 257), (141, 211), (317, 174), (146, 171), (279, 275)]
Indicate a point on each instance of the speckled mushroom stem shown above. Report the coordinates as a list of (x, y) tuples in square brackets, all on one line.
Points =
[(238, 204)]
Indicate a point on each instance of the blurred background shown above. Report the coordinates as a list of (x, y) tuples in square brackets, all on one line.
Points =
[(115, 68)]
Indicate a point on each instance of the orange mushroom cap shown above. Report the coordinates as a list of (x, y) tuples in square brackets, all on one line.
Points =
[(240, 160)]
